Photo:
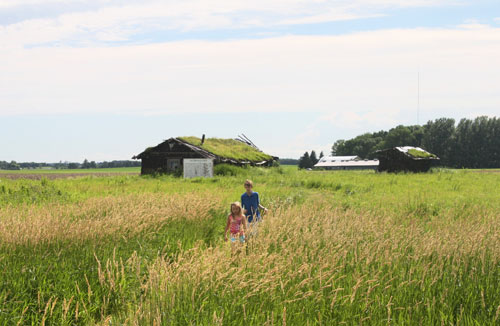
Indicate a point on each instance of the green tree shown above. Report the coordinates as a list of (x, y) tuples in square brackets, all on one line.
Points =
[(362, 146), (289, 161), (463, 148), (439, 138), (418, 133), (14, 166), (400, 136), (337, 146), (313, 158), (471, 144), (477, 143), (305, 161), (85, 164)]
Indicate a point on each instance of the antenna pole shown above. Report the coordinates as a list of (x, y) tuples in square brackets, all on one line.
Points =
[(418, 96)]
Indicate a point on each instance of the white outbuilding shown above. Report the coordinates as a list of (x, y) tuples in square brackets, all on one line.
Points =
[(345, 163)]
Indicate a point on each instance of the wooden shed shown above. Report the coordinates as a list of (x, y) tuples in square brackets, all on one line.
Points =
[(406, 158), (168, 156)]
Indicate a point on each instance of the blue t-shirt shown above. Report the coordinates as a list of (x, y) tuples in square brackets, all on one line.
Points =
[(251, 204)]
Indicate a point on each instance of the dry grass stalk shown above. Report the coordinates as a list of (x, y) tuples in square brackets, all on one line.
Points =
[(303, 249), (99, 217)]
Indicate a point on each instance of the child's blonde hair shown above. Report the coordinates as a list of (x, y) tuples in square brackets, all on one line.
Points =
[(248, 183), (240, 209)]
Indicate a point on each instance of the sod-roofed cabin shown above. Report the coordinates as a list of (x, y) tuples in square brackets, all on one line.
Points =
[(168, 156), (405, 158)]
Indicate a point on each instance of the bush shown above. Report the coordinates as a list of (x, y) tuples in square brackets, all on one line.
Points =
[(228, 170)]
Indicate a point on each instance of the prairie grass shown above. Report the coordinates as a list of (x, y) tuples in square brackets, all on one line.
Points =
[(101, 218), (336, 248), (328, 266)]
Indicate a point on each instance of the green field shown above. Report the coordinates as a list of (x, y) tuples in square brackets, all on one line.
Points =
[(352, 248)]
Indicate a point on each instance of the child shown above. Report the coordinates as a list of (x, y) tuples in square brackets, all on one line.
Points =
[(251, 203), (236, 224)]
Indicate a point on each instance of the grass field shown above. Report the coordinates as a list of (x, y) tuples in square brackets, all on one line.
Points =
[(353, 248)]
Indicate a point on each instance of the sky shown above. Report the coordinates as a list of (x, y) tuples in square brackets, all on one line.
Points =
[(104, 79)]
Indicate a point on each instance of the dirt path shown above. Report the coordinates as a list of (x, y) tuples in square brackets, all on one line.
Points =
[(38, 176)]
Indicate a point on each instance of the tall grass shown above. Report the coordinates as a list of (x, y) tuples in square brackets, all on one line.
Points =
[(343, 247), (317, 264), (56, 259)]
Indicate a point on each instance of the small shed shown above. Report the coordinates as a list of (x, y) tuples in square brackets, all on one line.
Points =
[(405, 158), (345, 163), (168, 156)]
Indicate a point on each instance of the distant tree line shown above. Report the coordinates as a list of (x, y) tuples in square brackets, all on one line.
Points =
[(13, 165), (289, 161), (307, 161), (68, 165), (468, 144)]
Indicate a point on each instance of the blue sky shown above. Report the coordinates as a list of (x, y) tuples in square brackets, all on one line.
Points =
[(104, 79)]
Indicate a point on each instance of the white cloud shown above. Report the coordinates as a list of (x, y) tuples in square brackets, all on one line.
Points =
[(17, 3), (333, 15), (472, 24), (231, 5), (351, 78), (119, 20), (311, 138), (353, 120)]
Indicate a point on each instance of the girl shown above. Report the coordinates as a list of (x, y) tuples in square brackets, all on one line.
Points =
[(236, 224)]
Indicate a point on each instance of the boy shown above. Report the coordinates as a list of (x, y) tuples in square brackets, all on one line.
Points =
[(251, 203)]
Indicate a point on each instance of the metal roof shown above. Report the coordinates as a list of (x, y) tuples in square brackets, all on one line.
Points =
[(351, 163), (337, 159)]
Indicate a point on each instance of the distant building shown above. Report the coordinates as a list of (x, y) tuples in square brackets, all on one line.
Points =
[(168, 156), (405, 158), (345, 163)]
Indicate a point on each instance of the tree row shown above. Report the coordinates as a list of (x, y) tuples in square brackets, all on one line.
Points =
[(472, 143)]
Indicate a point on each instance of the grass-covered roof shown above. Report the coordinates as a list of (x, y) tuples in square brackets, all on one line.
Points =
[(229, 149), (417, 153), (414, 153)]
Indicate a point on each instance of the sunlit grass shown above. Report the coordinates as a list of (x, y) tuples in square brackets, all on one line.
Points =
[(337, 247)]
